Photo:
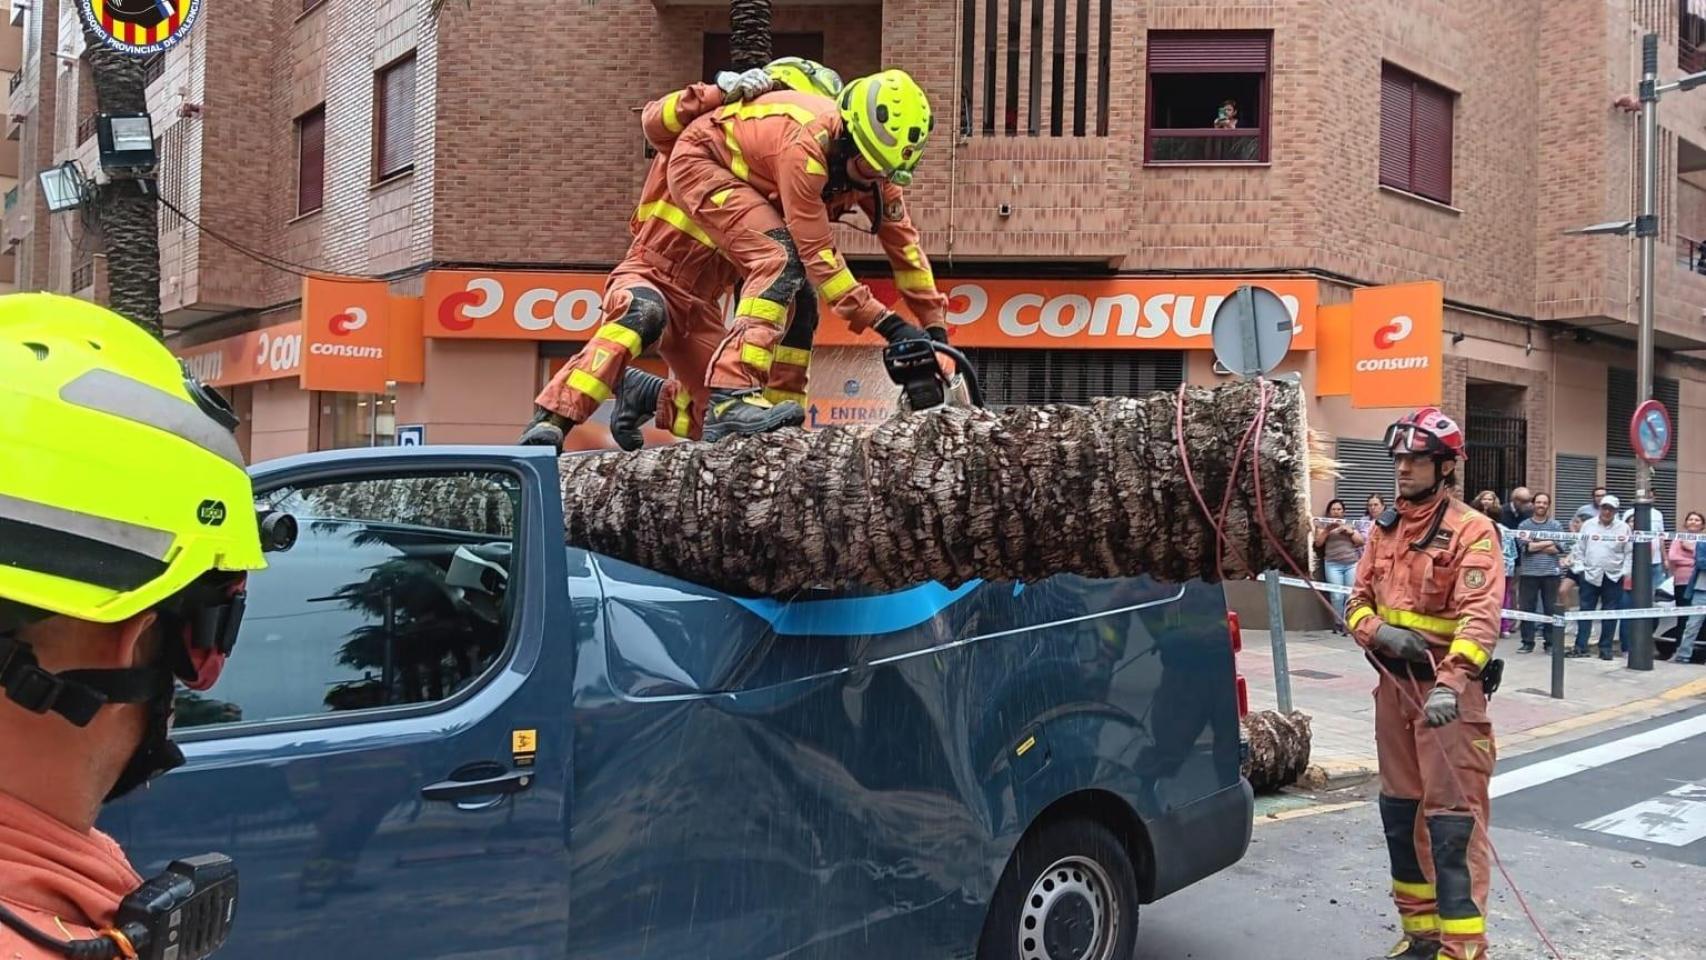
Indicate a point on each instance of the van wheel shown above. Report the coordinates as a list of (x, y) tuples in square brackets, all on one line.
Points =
[(1069, 893)]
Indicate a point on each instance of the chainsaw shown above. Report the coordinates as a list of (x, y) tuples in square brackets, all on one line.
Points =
[(915, 367)]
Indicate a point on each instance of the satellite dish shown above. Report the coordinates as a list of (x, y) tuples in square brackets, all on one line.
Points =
[(1252, 331)]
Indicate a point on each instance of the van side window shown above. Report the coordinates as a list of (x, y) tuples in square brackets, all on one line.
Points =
[(396, 593)]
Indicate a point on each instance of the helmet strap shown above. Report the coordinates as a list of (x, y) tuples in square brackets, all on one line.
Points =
[(76, 695)]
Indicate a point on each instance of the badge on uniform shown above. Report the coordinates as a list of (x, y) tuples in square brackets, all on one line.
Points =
[(894, 210), (1474, 578)]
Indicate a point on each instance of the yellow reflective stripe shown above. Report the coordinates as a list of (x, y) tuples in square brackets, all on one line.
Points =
[(683, 426), (722, 196), (766, 310), (915, 280), (1421, 891), (839, 283), (671, 121), (590, 385), (758, 111), (794, 356), (783, 396), (755, 356), (912, 254), (812, 166), (676, 217), (622, 336), (1426, 923), (1470, 651), (1357, 616), (737, 160), (1418, 621), (1464, 927)]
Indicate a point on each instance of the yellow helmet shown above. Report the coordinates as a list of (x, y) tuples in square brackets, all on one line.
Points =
[(121, 482), (804, 76), (888, 116)]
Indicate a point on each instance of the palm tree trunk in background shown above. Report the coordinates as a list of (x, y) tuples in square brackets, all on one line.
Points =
[(749, 33), (128, 217), (1095, 490)]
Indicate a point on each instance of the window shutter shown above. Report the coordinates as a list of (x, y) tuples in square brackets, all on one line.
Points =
[(1364, 468), (311, 161), (1203, 51), (1575, 479), (1013, 377), (1433, 142), (397, 117), (1396, 102)]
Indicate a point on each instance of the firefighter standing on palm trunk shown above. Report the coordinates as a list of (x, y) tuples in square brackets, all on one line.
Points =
[(1426, 606)]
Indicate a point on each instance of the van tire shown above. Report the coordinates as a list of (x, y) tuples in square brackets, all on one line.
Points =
[(1069, 893)]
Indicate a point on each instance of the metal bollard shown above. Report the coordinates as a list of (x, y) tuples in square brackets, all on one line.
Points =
[(1557, 657), (1276, 634)]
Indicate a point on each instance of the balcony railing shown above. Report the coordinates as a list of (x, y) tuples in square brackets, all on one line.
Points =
[(83, 277), (86, 129), (1691, 254), (11, 199), (16, 81), (1691, 36)]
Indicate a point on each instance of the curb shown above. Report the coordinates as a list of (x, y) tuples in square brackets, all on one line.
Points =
[(1647, 706), (1337, 774)]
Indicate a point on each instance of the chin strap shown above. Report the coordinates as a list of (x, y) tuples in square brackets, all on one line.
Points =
[(76, 695)]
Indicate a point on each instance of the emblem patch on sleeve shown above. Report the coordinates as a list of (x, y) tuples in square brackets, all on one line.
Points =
[(1474, 578)]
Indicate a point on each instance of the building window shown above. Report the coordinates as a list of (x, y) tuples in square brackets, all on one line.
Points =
[(394, 117), (1017, 76), (717, 56), (311, 160), (1014, 377), (1415, 134), (357, 420), (1208, 97), (153, 68), (83, 276)]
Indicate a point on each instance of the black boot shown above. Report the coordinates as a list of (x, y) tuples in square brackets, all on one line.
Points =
[(746, 412), (1411, 948), (636, 403), (546, 429)]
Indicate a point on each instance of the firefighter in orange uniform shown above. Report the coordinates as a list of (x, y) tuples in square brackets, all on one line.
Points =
[(665, 289), (730, 172), (1426, 605)]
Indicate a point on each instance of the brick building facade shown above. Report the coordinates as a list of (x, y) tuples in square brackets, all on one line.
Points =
[(1074, 143)]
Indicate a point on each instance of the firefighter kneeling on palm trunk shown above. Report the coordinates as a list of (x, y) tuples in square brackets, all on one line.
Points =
[(1426, 606)]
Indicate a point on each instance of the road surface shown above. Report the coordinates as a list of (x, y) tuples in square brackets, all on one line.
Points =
[(1606, 837)]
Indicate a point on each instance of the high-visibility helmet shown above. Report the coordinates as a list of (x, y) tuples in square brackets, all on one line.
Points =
[(804, 76), (1427, 431), (121, 483), (888, 117)]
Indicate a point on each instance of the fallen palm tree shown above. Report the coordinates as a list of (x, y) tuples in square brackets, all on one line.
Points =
[(1104, 490)]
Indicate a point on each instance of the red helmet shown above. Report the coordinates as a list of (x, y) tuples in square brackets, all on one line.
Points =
[(1427, 431)]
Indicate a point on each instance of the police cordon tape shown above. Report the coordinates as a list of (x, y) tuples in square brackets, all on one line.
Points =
[(1634, 536), (1651, 613)]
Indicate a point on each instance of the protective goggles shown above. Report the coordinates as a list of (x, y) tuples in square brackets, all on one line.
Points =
[(1410, 438)]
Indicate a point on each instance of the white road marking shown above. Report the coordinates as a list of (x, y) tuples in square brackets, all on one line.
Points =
[(1676, 819), (1570, 764)]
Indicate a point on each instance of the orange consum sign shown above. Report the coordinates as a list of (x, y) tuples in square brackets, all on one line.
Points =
[(1396, 343)]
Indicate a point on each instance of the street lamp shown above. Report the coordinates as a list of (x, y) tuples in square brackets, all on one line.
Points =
[(61, 187), (126, 143)]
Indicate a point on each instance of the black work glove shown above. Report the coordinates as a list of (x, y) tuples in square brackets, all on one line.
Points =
[(1401, 642), (1441, 707), (938, 334), (895, 327)]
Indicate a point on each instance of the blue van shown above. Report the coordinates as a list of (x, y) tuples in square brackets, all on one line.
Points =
[(444, 736)]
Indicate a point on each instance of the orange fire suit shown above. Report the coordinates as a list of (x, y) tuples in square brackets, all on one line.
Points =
[(664, 291), (1446, 582), (731, 171), (64, 883)]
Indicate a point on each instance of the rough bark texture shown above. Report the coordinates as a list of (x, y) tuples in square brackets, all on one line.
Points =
[(1279, 749), (749, 33), (955, 495), (128, 217)]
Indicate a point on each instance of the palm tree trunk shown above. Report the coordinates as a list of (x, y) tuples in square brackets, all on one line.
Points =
[(127, 215), (1099, 491), (749, 33)]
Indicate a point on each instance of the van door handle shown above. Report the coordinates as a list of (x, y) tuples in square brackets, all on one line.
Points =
[(451, 791)]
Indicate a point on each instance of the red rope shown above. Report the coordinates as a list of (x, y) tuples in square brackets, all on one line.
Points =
[(1274, 541)]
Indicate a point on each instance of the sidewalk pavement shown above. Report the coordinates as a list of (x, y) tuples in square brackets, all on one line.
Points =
[(1333, 684)]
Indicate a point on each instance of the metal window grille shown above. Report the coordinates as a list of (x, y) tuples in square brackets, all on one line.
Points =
[(1019, 377)]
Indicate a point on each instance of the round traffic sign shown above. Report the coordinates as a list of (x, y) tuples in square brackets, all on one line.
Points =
[(1252, 330), (1649, 431)]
